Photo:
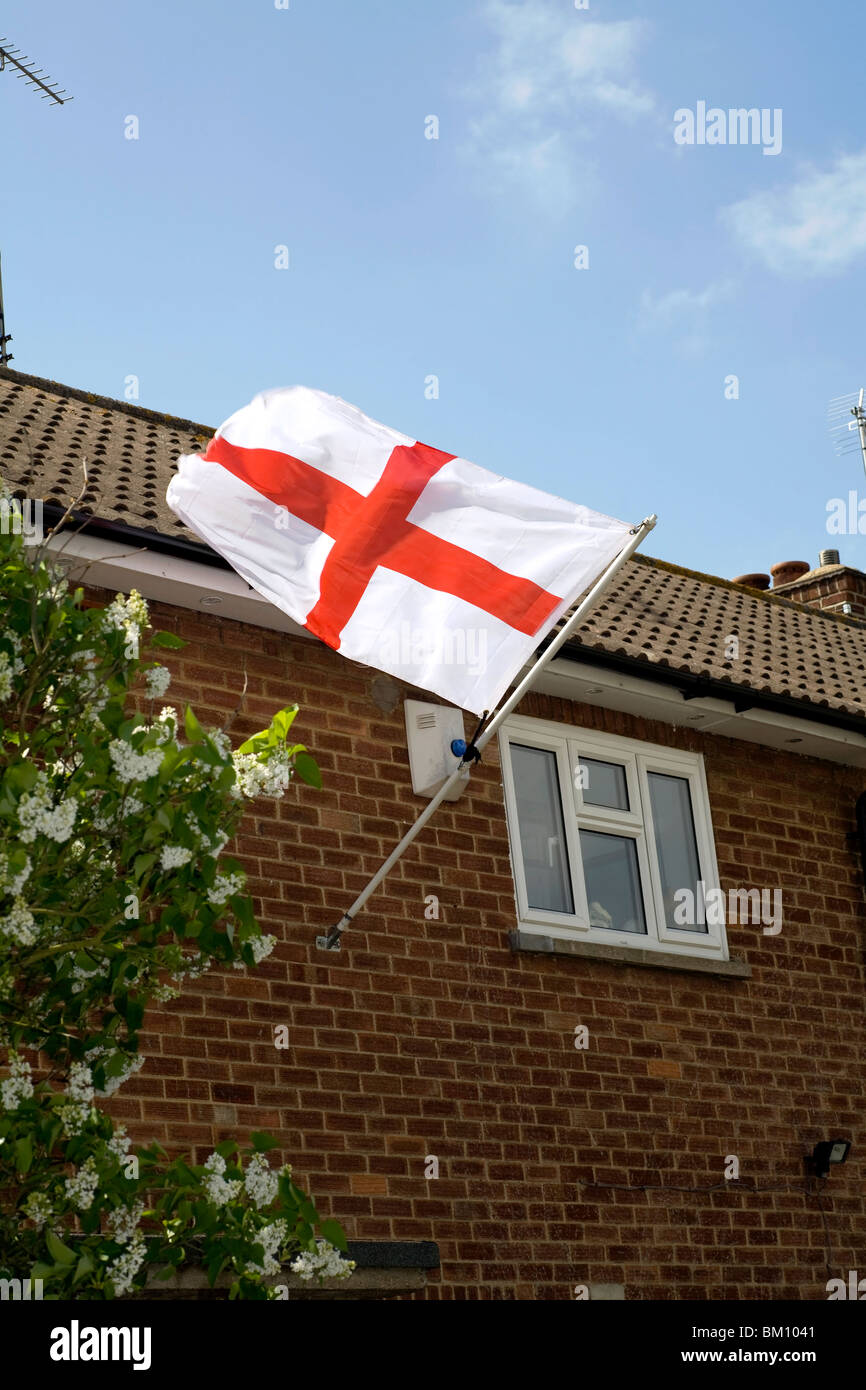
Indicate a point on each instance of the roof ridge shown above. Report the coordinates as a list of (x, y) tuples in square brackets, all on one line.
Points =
[(106, 402), (766, 595)]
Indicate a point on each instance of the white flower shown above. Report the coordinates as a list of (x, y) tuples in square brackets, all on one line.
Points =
[(119, 1143), (9, 668), (166, 724), (80, 1084), (19, 924), (224, 887), (73, 1118), (327, 1263), (112, 1083), (81, 1187), (221, 741), (261, 947), (122, 1223), (259, 775), (131, 766), (216, 846), (174, 857), (123, 1270), (192, 967), (13, 885), (219, 1190), (81, 976), (127, 615), (270, 1238), (158, 680), (18, 1085), (38, 1208), (38, 816), (162, 993), (260, 1181)]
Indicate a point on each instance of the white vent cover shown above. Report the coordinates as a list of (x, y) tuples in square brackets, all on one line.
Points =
[(429, 731)]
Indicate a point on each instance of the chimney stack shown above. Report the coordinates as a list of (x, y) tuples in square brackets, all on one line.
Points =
[(753, 581), (787, 571), (835, 587)]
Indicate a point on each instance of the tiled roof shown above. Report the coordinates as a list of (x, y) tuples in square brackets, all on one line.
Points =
[(47, 429), (656, 613), (682, 621)]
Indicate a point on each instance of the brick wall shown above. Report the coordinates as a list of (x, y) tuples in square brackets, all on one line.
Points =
[(431, 1038), (829, 588)]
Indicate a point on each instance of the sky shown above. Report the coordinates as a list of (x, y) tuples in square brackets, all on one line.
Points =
[(386, 199)]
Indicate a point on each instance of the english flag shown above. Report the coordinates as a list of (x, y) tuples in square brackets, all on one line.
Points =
[(397, 555)]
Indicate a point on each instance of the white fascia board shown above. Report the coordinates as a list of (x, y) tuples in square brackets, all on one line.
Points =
[(168, 579), (597, 685)]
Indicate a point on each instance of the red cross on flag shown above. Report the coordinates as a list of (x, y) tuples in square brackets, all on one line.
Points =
[(395, 554)]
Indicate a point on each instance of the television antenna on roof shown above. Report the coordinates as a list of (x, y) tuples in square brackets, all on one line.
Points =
[(4, 336), (33, 76), (847, 433)]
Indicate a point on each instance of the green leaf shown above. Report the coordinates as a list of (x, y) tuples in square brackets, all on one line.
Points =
[(254, 744), (283, 720), (84, 1267), (308, 770), (141, 865), (194, 730), (333, 1231), (167, 639), (261, 1142), (134, 1015), (60, 1252), (23, 1154)]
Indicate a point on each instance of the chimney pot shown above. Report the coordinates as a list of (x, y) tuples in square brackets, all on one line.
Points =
[(754, 581), (787, 571), (828, 557)]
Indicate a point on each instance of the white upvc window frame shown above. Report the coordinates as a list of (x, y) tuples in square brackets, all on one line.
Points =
[(568, 742)]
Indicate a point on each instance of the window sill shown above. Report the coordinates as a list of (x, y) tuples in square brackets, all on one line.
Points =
[(626, 955), (385, 1269)]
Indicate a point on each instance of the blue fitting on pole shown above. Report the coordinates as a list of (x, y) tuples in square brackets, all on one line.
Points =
[(458, 747)]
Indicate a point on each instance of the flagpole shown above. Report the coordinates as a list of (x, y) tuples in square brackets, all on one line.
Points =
[(331, 942)]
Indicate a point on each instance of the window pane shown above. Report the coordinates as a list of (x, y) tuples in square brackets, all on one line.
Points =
[(676, 846), (612, 881), (542, 832), (604, 784)]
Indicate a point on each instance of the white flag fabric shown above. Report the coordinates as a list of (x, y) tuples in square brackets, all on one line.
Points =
[(395, 554)]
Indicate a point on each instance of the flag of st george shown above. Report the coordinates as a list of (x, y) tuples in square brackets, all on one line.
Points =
[(397, 555)]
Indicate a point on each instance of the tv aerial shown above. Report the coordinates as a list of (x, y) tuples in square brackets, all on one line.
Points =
[(34, 77), (846, 417), (22, 66)]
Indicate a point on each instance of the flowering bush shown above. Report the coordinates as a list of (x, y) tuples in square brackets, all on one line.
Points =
[(113, 892)]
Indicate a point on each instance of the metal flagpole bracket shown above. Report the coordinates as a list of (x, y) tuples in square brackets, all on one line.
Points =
[(331, 942)]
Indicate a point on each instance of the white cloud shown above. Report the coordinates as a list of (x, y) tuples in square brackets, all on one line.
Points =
[(816, 226), (682, 315), (550, 69), (673, 307)]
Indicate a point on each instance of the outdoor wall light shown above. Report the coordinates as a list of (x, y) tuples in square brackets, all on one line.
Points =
[(830, 1151)]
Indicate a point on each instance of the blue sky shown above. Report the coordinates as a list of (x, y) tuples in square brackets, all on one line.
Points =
[(454, 257)]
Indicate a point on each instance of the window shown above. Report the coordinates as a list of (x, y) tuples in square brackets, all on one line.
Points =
[(611, 838)]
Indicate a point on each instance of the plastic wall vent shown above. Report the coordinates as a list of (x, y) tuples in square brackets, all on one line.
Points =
[(429, 731)]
